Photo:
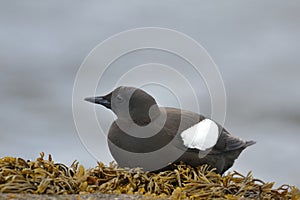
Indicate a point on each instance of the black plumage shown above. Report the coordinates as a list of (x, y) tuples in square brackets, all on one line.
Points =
[(148, 136)]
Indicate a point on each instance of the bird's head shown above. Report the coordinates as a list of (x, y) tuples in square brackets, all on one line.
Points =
[(130, 104)]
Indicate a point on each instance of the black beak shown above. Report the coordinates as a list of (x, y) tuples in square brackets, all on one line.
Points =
[(102, 100)]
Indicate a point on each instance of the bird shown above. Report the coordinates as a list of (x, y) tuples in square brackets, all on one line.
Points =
[(155, 138)]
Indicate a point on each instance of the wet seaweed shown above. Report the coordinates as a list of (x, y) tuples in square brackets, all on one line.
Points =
[(43, 176)]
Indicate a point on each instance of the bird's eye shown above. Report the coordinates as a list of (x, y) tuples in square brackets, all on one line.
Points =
[(119, 98)]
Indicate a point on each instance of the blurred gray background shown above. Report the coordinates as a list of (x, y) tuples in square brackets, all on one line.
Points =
[(255, 44)]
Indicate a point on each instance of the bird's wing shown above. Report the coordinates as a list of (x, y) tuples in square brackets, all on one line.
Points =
[(227, 142), (179, 121)]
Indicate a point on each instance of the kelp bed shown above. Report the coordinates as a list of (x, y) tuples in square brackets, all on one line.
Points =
[(44, 176)]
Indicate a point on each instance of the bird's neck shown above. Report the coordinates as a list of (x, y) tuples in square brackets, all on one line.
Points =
[(144, 115)]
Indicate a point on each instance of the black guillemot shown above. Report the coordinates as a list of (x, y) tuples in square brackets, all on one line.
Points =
[(152, 137)]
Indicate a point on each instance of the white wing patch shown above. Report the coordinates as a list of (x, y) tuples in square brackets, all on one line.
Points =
[(202, 135)]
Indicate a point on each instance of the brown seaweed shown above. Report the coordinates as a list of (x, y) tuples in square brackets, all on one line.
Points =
[(43, 176)]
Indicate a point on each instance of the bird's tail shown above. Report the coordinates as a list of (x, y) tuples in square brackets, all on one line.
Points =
[(249, 143)]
